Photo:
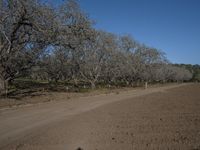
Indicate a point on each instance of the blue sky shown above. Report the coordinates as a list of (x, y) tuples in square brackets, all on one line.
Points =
[(170, 25)]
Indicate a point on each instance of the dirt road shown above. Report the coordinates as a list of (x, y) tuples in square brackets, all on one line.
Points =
[(156, 118)]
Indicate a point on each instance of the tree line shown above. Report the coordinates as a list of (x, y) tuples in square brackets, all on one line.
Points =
[(194, 69), (42, 42)]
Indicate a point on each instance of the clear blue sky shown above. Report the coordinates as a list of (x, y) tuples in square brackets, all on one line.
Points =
[(170, 25)]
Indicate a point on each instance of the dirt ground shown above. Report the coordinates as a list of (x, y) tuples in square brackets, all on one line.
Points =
[(157, 118), (47, 96)]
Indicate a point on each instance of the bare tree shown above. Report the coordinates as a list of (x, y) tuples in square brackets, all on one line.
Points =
[(95, 56), (150, 59), (74, 30), (25, 28)]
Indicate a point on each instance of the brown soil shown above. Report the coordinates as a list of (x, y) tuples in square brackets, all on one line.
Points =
[(156, 118)]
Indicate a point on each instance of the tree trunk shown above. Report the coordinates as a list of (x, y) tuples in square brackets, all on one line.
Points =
[(127, 83), (3, 86), (93, 86), (75, 82), (146, 85)]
